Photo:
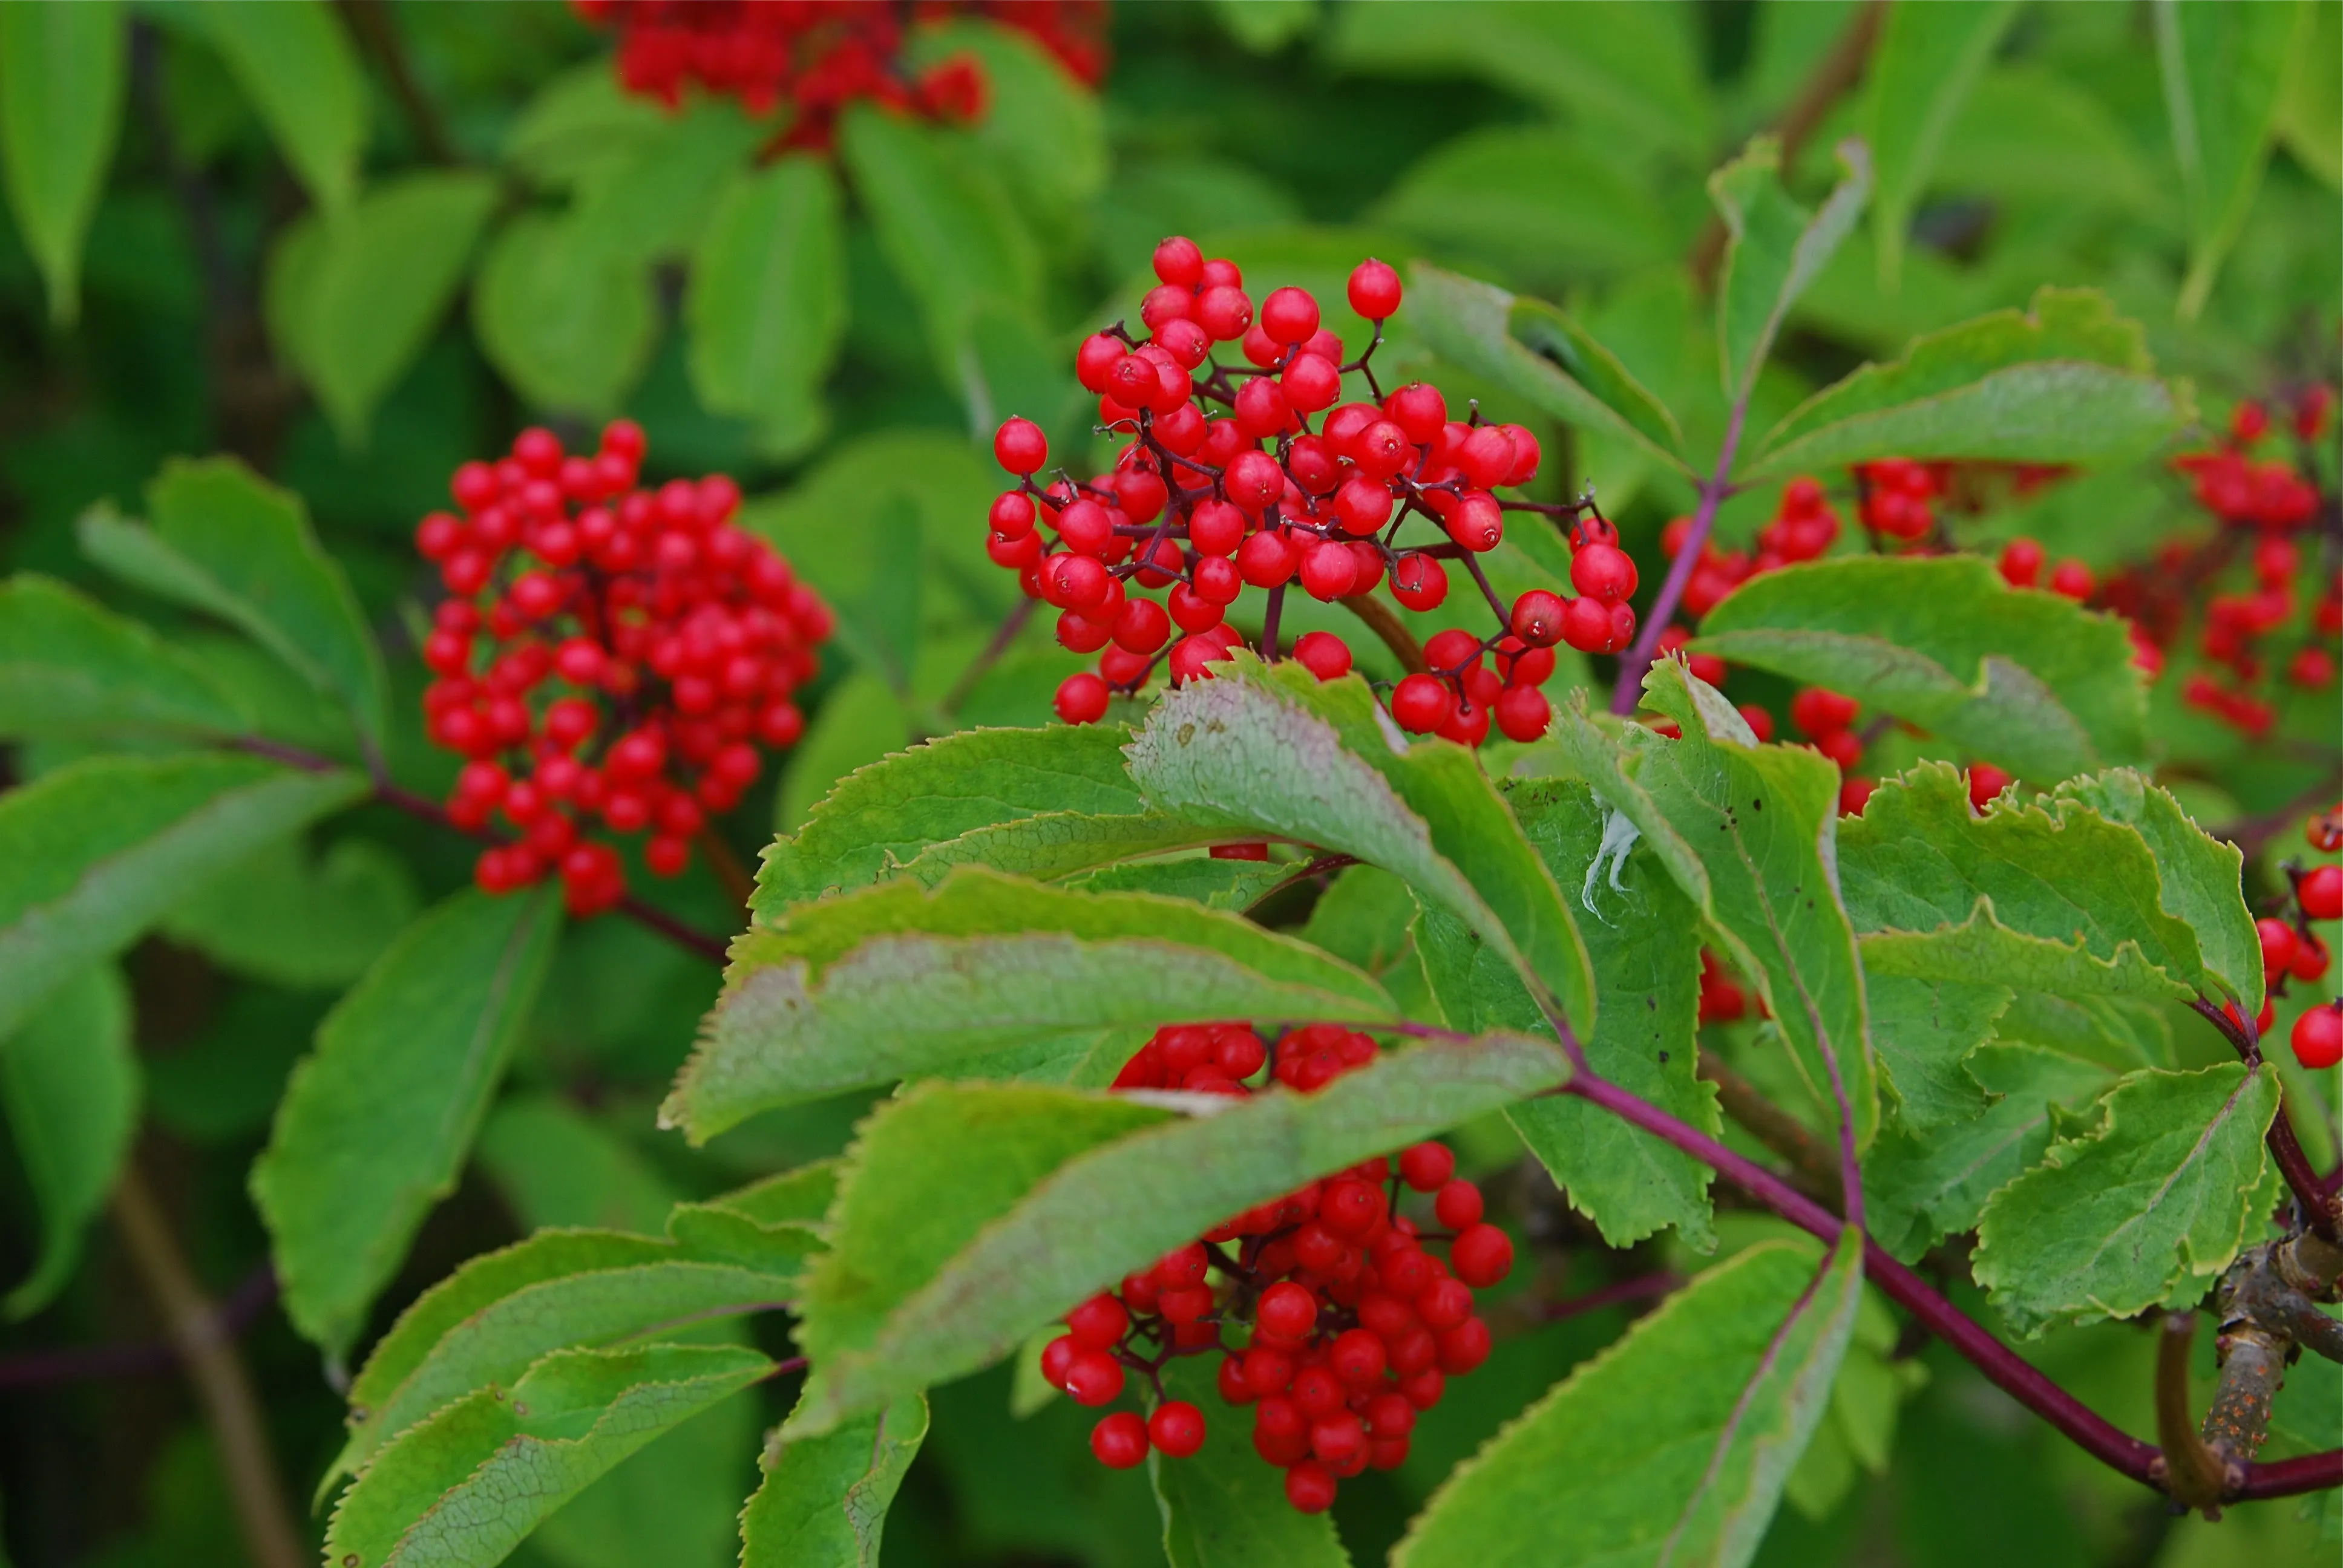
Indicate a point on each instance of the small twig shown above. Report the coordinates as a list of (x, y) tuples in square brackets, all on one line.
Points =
[(738, 884), (1384, 622), (2250, 833), (1812, 1167), (2188, 1469), (222, 1384), (2317, 1203), (1012, 624), (371, 21), (236, 1311), (1640, 1288), (1629, 692)]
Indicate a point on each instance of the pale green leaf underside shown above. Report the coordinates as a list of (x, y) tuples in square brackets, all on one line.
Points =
[(823, 1502), (2200, 877)]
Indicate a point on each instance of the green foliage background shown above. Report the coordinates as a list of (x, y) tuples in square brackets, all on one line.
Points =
[(290, 263)]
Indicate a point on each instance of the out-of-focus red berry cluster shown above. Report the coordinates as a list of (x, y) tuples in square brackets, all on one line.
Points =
[(606, 654), (820, 55), (1334, 1317), (1262, 475)]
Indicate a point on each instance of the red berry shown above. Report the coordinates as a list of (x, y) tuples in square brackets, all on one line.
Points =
[(1286, 1311), (1081, 698), (1375, 289), (1120, 1441), (1020, 447), (1177, 1428), (1538, 617), (1309, 1487), (1288, 315), (1458, 1205), (2310, 964), (2322, 893), (1426, 1167), (2280, 946), (2318, 1037), (1357, 1357), (1986, 782), (1324, 654), (1522, 712), (1586, 625), (1482, 1255), (1604, 572), (1098, 1324), (1093, 1376), (1818, 711), (2073, 579), (1177, 261), (1463, 1347)]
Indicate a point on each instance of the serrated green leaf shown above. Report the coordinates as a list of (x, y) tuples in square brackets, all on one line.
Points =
[(1644, 938), (298, 70), (823, 1502), (970, 1216), (2148, 1207), (376, 1120), (69, 1084), (1774, 249), (1057, 844), (2118, 1032), (897, 980), (97, 851), (1918, 1189), (1764, 821), (1982, 948), (1559, 369), (1920, 859), (882, 816), (775, 1224), (228, 543), (1924, 1031), (469, 1486), (1671, 1446), (1235, 885), (767, 302), (2225, 68), (1921, 70), (1042, 128), (2201, 878), (2066, 380), (1270, 747), (652, 198), (2027, 679), (353, 302), (556, 1163), (300, 922), (570, 322), (1222, 1507), (68, 666), (61, 69)]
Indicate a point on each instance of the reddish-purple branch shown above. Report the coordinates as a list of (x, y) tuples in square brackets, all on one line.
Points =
[(1629, 691)]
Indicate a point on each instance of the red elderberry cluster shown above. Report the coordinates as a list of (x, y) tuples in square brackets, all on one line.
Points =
[(1262, 475), (2292, 952), (820, 55), (1336, 1320), (606, 654)]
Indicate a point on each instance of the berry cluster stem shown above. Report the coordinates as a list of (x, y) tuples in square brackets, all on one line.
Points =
[(2311, 1194), (1628, 694)]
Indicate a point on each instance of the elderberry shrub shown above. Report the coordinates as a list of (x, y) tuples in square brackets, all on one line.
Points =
[(817, 57), (606, 654), (1335, 1316), (1260, 475)]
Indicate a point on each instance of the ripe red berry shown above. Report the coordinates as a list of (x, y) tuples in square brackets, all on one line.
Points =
[(2073, 579), (1586, 625), (1818, 711), (1178, 261), (2279, 945), (1463, 1347), (2318, 1037), (1522, 712), (1357, 1357), (1375, 289), (1324, 654), (1458, 1204), (2310, 964), (1020, 447), (1286, 1311), (1177, 1428), (1538, 617), (1426, 1167), (1604, 572), (1093, 1376), (1288, 315), (1120, 1441), (1309, 1487), (1081, 698), (1986, 782), (2322, 893), (1098, 1324), (1482, 1255)]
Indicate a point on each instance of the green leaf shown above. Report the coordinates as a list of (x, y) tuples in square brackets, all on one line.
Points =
[(1271, 747), (580, 121), (652, 198), (353, 302), (1764, 821), (1924, 1031), (899, 981), (2017, 108), (1672, 1446), (877, 818), (773, 1224), (467, 1486), (61, 78), (70, 667), (1918, 1189), (824, 1500), (2224, 69), (944, 225), (2310, 109), (1920, 859), (1982, 948), (1058, 844), (1041, 127), (1537, 353), (69, 1088), (766, 301), (2029, 679), (228, 543), (1775, 250), (1927, 59), (97, 851), (376, 1120), (862, 720), (1542, 204), (2146, 1208), (299, 922), (299, 72), (1222, 1507), (1264, 27), (568, 322), (1235, 885), (2201, 878), (557, 1163), (2066, 380), (969, 1216), (1644, 938)]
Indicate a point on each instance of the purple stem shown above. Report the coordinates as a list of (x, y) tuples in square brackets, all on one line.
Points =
[(237, 1311), (1629, 691), (1640, 1288), (2311, 1193)]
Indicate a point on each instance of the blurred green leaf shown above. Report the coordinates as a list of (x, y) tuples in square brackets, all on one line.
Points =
[(1045, 129), (299, 920), (2224, 68), (2027, 679), (1546, 205), (898, 979), (579, 122), (1222, 1506), (766, 301), (376, 1121), (300, 71), (2024, 132), (1927, 58), (352, 302), (61, 80), (228, 543), (467, 1485), (568, 321), (651, 200), (2146, 1208), (824, 1499), (97, 851), (2310, 108), (1672, 1446), (558, 1165), (68, 666), (1774, 249), (69, 1091), (860, 722)]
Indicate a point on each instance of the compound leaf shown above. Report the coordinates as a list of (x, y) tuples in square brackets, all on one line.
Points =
[(69, 666), (69, 1093)]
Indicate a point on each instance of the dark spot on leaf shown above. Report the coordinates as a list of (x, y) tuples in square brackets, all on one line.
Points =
[(1184, 734), (1756, 805), (1664, 1056)]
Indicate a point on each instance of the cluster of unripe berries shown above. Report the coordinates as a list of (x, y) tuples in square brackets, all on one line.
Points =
[(1260, 475), (817, 57), (606, 655), (1335, 1318), (2292, 952)]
